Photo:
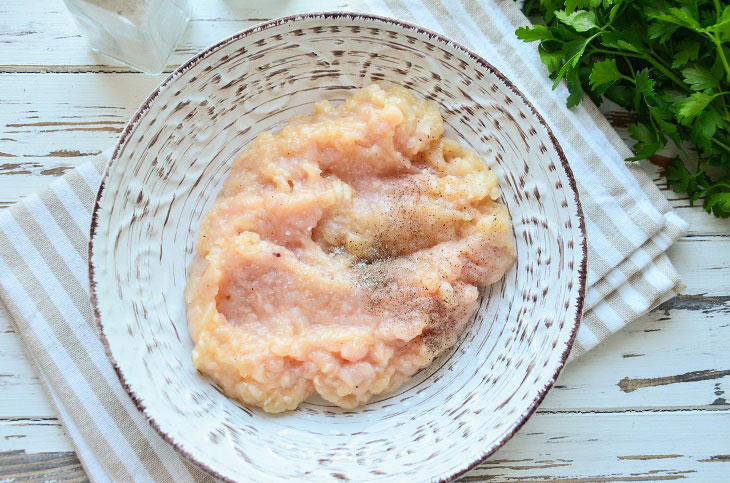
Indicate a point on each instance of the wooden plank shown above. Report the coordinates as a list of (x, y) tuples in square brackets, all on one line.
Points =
[(21, 467), (37, 435), (703, 264), (673, 357), (43, 134), (582, 448), (21, 392), (40, 36), (577, 448), (700, 223)]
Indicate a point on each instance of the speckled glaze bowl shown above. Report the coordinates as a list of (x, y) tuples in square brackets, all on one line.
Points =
[(166, 171)]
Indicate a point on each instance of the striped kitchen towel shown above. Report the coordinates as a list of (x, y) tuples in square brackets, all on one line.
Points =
[(44, 238)]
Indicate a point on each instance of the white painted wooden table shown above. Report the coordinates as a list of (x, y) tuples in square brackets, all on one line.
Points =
[(648, 405)]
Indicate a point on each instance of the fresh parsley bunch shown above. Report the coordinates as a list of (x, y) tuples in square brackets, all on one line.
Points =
[(664, 60)]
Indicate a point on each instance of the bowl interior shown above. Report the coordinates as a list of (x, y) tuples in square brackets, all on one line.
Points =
[(166, 172)]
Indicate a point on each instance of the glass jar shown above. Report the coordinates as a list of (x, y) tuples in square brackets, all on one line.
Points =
[(139, 33)]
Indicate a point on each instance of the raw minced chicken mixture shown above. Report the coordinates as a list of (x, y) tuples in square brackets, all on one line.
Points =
[(343, 254)]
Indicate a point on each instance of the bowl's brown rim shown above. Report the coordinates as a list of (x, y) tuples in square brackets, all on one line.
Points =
[(129, 128)]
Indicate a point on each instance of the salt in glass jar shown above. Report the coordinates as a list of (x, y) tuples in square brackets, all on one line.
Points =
[(138, 33)]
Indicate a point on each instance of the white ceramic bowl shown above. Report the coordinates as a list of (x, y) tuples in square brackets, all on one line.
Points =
[(166, 171)]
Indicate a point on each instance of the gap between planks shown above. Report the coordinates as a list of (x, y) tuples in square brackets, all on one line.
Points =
[(55, 466), (75, 69)]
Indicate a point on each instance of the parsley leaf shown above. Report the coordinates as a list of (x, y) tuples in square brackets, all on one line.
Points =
[(662, 31), (604, 73), (572, 5), (686, 51), (553, 60), (537, 32), (573, 50), (681, 16), (648, 142), (704, 129), (580, 20), (718, 204), (613, 40), (691, 106), (641, 133), (678, 177), (644, 84), (699, 78), (722, 23), (574, 87)]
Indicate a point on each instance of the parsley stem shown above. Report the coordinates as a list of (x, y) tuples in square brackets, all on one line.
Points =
[(724, 107), (721, 53), (631, 68), (665, 71), (653, 124), (616, 52), (649, 59), (721, 144)]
